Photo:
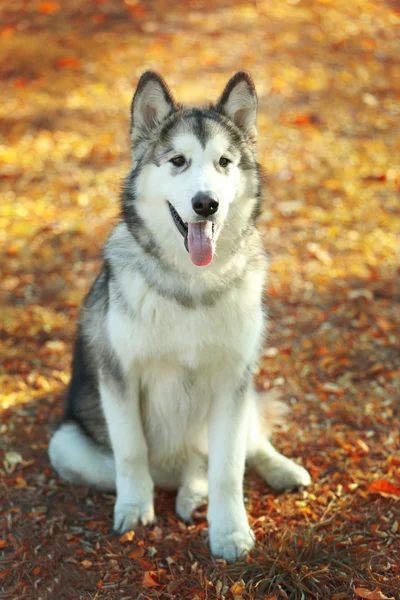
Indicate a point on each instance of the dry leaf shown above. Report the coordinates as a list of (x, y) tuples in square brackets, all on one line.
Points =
[(136, 553), (384, 488), (237, 588), (86, 563), (148, 579), (376, 594), (127, 537)]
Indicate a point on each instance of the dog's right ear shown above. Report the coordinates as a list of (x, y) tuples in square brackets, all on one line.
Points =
[(151, 103)]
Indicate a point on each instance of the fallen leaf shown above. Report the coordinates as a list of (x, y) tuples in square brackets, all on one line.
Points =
[(237, 588), (86, 563), (13, 458), (127, 537), (148, 579), (376, 594), (384, 488), (136, 553), (383, 323), (19, 83), (69, 62), (332, 388), (48, 8)]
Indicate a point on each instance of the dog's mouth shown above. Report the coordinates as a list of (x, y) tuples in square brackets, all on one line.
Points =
[(199, 238)]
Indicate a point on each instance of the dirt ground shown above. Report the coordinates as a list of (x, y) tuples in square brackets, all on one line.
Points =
[(328, 78)]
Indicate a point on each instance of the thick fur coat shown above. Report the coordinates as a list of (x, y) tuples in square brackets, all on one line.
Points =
[(161, 390)]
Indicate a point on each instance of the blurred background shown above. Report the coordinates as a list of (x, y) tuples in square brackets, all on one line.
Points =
[(327, 74), (328, 79)]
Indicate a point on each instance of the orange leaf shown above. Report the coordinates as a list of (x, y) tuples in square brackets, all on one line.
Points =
[(4, 573), (136, 553), (302, 120), (36, 570), (70, 62), (384, 324), (237, 588), (148, 580), (86, 563), (127, 537), (384, 488), (7, 31), (48, 8), (369, 44), (376, 594), (13, 250), (3, 543), (20, 82)]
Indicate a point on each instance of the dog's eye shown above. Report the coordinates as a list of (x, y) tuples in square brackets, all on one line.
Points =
[(178, 161), (224, 162)]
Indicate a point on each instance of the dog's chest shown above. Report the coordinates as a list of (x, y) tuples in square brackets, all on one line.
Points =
[(160, 328)]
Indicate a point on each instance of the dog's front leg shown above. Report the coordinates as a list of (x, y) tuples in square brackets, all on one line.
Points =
[(230, 534), (134, 485)]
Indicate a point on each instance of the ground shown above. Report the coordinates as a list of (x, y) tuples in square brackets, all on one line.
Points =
[(328, 79)]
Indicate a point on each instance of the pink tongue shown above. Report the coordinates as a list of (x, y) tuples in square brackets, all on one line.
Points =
[(200, 242)]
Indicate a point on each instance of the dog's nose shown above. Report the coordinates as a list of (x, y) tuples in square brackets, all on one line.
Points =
[(204, 205)]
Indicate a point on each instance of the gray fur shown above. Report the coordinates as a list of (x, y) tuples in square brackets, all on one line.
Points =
[(167, 339), (132, 247)]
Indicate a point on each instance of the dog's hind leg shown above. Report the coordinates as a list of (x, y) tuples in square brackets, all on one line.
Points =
[(80, 460), (193, 490), (278, 471)]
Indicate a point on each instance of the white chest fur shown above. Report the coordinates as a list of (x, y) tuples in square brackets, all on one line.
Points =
[(158, 328), (183, 356)]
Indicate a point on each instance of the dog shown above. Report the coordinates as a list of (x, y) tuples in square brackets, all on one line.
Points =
[(170, 333)]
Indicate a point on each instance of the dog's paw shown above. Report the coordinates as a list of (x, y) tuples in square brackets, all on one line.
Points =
[(231, 545), (126, 516), (187, 501), (284, 474)]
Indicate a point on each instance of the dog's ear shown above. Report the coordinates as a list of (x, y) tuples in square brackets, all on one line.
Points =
[(239, 103), (151, 103)]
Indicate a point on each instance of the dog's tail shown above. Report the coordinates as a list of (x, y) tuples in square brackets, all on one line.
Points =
[(272, 410), (80, 460)]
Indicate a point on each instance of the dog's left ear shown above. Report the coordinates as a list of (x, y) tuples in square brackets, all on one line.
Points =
[(239, 103), (151, 103)]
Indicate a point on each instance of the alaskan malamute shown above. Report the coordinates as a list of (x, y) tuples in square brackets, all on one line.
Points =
[(171, 330)]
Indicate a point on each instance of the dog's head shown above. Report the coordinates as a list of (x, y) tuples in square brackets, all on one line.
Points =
[(194, 179)]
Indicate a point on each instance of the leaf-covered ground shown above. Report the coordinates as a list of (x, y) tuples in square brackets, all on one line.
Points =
[(328, 78)]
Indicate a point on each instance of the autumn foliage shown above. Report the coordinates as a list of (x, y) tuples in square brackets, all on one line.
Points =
[(328, 78)]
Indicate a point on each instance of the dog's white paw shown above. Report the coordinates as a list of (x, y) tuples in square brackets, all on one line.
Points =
[(284, 474), (126, 516), (232, 544), (187, 501)]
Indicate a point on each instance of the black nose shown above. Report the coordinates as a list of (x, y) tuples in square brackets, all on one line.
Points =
[(204, 204)]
